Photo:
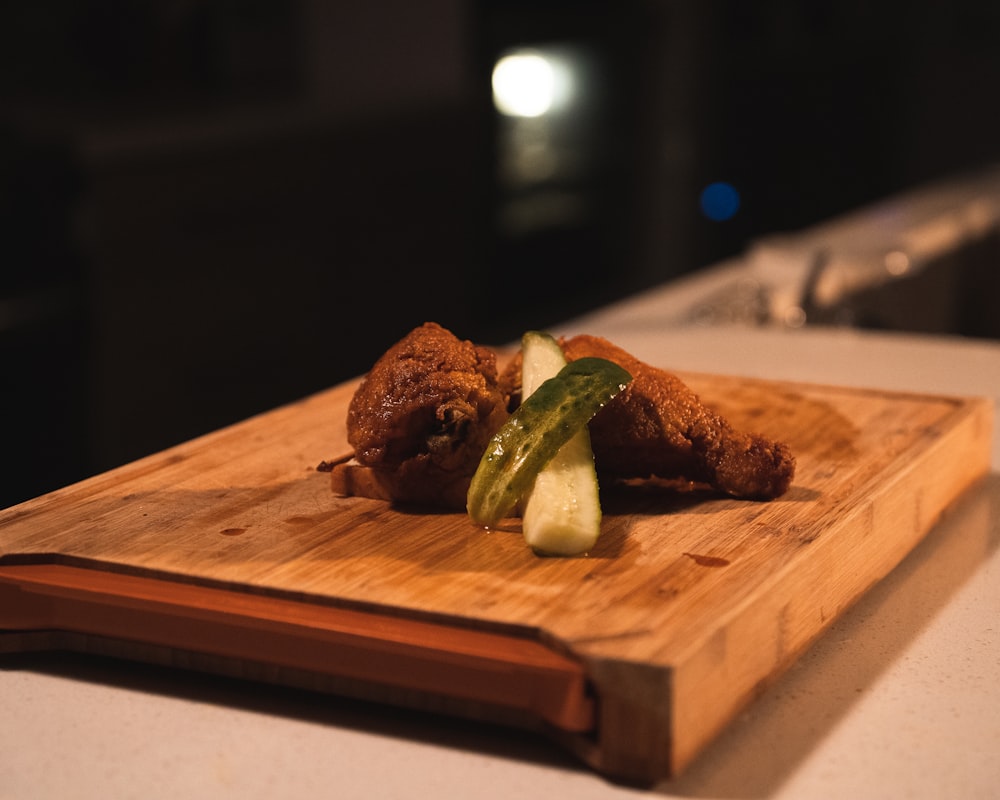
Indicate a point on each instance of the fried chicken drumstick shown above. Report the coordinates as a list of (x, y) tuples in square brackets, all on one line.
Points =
[(657, 427), (422, 417)]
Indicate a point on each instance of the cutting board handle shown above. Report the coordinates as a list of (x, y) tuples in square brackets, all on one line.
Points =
[(513, 673)]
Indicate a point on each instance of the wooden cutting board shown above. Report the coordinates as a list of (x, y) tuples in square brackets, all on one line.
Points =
[(231, 553)]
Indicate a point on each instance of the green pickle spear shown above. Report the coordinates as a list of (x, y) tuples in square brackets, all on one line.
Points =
[(561, 514), (548, 418)]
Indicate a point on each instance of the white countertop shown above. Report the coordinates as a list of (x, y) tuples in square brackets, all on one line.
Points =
[(901, 698)]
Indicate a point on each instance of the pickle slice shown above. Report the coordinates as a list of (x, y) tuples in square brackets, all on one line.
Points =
[(561, 514), (535, 432)]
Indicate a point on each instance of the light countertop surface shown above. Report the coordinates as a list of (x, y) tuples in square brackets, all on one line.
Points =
[(900, 698)]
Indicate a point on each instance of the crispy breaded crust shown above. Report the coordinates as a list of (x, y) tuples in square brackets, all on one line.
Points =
[(658, 427), (421, 418)]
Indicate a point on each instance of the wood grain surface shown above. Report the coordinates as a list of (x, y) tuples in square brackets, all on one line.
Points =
[(232, 552)]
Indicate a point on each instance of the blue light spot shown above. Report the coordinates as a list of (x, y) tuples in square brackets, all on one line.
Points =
[(720, 201)]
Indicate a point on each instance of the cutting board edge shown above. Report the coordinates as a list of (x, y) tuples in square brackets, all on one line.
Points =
[(650, 697)]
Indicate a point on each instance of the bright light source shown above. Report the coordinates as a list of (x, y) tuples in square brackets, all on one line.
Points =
[(530, 83), (524, 85)]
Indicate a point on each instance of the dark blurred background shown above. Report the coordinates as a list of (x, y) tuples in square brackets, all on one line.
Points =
[(208, 209)]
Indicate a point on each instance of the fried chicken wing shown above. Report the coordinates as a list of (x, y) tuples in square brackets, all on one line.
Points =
[(422, 416), (658, 427)]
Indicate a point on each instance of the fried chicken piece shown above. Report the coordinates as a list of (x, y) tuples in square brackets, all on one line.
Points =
[(658, 427), (423, 415)]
